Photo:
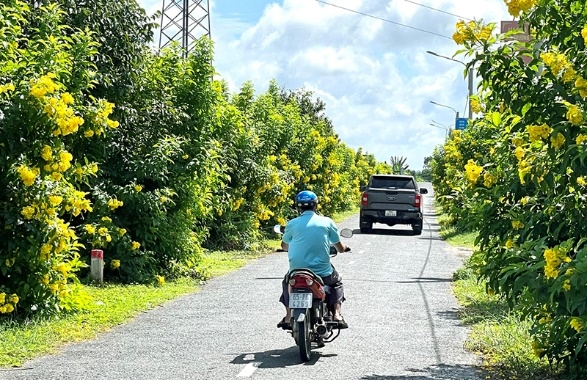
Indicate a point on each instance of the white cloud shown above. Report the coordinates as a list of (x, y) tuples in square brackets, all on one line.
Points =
[(375, 76)]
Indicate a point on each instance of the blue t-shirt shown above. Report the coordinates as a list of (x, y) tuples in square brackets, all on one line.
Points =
[(309, 237)]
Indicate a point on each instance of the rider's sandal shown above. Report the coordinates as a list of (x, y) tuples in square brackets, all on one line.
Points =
[(284, 325), (341, 323)]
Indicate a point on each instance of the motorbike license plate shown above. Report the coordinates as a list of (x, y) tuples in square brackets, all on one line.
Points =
[(390, 213), (300, 300)]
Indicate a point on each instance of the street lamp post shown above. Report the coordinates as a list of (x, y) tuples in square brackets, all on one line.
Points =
[(443, 105), (446, 129), (469, 78)]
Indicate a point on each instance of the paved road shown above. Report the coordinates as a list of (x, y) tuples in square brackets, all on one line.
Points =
[(401, 312)]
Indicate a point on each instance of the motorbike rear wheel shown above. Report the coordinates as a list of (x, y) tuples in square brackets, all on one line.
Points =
[(304, 339)]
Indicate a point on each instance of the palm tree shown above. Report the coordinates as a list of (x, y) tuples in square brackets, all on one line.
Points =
[(398, 164)]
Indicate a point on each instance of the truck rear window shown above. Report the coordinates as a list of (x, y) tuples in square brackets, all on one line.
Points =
[(392, 183)]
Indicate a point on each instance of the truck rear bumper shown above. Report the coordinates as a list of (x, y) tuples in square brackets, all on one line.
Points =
[(402, 217)]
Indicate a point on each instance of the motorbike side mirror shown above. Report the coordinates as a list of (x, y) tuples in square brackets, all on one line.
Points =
[(346, 232), (278, 229)]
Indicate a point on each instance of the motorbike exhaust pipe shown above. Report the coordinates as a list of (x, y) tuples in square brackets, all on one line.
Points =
[(321, 330)]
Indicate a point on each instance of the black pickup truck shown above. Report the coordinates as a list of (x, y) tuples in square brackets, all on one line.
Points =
[(392, 199)]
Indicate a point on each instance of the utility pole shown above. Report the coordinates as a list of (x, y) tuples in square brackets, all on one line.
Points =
[(184, 21)]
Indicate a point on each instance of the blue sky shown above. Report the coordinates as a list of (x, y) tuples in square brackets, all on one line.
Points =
[(375, 76)]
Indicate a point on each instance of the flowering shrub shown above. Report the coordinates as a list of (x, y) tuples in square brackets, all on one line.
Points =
[(43, 112), (520, 178)]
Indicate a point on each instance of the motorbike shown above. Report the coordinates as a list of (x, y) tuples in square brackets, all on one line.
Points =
[(311, 320)]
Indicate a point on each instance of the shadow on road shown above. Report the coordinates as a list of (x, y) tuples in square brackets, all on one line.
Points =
[(425, 279), (439, 372), (381, 231), (278, 358)]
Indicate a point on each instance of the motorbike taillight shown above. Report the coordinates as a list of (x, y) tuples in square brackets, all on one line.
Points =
[(301, 282)]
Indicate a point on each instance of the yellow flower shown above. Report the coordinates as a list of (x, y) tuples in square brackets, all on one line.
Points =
[(185, 156), (138, 188), (67, 98), (115, 264), (458, 38), (47, 153), (135, 245), (102, 231), (581, 139), (106, 219), (574, 114), (27, 175), (584, 34), (473, 171), (45, 251), (8, 308), (160, 280), (538, 132), (516, 224), (13, 299), (581, 85), (509, 244), (567, 285), (520, 153), (6, 87), (557, 141), (28, 212), (577, 324), (90, 229), (55, 200), (2, 298), (515, 7), (121, 231), (569, 75), (113, 204), (581, 181), (476, 106), (489, 180)]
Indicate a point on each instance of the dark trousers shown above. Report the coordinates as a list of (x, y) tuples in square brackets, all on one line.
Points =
[(334, 281)]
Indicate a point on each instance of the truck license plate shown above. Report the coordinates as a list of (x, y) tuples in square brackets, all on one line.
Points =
[(300, 300), (390, 213)]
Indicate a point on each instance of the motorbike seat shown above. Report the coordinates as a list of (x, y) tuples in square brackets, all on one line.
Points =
[(307, 272)]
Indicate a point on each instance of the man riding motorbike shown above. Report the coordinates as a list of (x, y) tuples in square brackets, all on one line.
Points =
[(307, 239)]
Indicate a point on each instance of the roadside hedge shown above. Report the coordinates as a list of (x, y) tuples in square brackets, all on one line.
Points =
[(518, 176)]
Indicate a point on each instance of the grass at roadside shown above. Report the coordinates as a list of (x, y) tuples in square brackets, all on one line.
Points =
[(113, 304), (500, 336)]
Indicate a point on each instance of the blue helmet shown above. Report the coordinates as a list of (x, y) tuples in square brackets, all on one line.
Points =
[(306, 198)]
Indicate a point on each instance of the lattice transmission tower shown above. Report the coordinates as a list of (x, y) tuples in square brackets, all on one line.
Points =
[(184, 21)]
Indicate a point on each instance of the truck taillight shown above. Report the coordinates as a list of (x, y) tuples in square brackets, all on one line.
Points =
[(365, 199), (417, 200)]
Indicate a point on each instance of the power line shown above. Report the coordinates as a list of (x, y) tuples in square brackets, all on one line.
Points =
[(386, 20), (439, 10)]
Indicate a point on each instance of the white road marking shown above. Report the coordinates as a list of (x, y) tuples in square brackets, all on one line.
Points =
[(248, 370)]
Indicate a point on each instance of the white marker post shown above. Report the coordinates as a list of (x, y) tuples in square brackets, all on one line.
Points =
[(97, 265)]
